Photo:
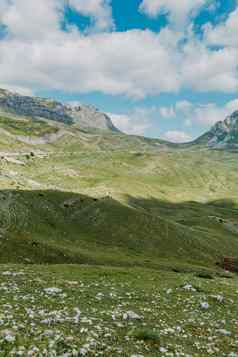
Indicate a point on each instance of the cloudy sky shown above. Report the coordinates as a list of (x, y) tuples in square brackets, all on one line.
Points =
[(160, 68)]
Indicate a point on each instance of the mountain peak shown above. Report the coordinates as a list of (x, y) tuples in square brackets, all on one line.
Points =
[(86, 117), (224, 134)]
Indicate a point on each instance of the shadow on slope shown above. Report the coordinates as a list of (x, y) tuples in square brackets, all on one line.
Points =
[(64, 227)]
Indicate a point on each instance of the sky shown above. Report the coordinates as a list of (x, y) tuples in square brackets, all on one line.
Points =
[(159, 68)]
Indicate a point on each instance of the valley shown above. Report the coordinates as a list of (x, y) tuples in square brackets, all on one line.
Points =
[(102, 224)]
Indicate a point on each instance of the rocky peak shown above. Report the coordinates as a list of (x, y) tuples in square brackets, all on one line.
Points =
[(33, 107), (90, 117), (225, 133), (84, 116)]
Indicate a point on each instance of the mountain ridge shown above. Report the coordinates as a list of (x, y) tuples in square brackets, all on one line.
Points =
[(86, 117), (224, 134)]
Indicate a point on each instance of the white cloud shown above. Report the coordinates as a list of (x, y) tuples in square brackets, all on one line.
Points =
[(99, 10), (207, 70), (179, 11), (127, 125), (17, 89), (232, 106), (203, 114), (26, 21), (224, 34), (208, 114), (38, 54), (211, 113), (136, 122), (184, 106), (167, 112), (98, 62), (141, 119), (177, 136)]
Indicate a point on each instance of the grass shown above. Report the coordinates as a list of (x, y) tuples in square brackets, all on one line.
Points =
[(83, 310), (147, 335), (63, 227), (26, 126)]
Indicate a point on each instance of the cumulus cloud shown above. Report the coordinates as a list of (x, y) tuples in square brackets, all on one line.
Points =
[(224, 34), (99, 10), (37, 54), (212, 113), (184, 113), (136, 122), (98, 62), (167, 112), (178, 11), (176, 136), (204, 69), (26, 22), (203, 114)]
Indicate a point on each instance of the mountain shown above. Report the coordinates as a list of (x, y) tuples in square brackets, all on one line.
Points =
[(86, 117), (223, 134)]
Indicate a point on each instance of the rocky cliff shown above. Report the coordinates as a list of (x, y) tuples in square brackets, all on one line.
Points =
[(224, 134), (86, 117)]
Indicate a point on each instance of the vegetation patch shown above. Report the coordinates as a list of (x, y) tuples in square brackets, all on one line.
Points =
[(26, 126)]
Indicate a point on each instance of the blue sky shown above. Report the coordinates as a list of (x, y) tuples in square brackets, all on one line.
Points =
[(160, 68)]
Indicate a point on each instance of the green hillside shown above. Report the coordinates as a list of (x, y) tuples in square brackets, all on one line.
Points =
[(59, 227), (108, 198)]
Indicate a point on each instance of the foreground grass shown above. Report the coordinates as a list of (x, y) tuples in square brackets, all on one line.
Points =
[(71, 310)]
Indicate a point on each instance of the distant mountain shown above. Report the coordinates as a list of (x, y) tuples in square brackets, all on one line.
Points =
[(223, 134), (86, 117)]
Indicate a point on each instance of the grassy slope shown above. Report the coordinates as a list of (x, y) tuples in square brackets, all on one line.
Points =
[(51, 226), (172, 317), (26, 126), (165, 202)]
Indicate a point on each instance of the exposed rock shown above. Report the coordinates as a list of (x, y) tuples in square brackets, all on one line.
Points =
[(14, 161), (88, 117), (223, 134), (84, 116), (131, 315), (34, 107)]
